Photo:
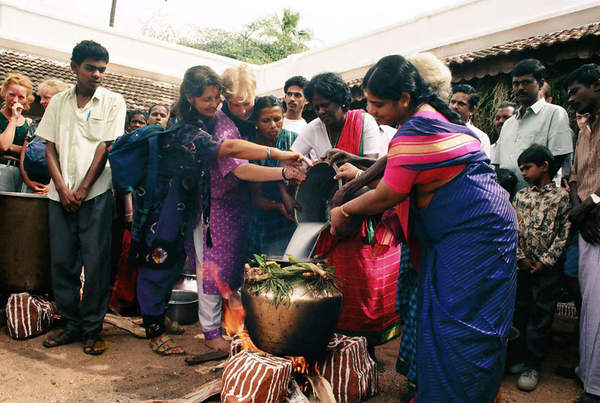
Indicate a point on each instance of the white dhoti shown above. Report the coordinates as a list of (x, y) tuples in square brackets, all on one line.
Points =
[(589, 321)]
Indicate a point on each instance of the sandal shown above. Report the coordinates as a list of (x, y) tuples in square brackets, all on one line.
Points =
[(94, 346), (165, 345), (60, 339)]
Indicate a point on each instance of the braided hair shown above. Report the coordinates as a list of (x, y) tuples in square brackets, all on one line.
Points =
[(392, 75)]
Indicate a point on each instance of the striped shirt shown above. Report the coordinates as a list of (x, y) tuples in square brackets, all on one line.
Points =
[(586, 165)]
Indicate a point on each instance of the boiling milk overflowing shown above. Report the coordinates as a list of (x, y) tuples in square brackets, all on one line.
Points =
[(304, 239)]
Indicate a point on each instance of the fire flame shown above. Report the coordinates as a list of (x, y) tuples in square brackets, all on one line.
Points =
[(233, 310), (233, 315), (299, 365)]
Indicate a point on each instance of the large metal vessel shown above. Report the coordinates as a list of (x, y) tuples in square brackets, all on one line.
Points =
[(24, 243), (301, 328)]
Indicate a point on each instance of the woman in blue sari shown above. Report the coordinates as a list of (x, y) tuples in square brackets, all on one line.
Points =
[(466, 230)]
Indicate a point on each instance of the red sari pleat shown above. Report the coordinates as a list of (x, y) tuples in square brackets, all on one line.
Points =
[(368, 280)]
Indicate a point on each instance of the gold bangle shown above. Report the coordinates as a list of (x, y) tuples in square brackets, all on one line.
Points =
[(344, 212), (358, 173)]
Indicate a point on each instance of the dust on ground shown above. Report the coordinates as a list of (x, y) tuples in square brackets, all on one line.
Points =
[(129, 371)]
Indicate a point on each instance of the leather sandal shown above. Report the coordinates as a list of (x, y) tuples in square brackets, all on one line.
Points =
[(164, 345), (60, 339), (94, 346)]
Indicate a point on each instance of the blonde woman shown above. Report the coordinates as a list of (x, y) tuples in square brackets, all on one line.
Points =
[(32, 161), (17, 92), (239, 89)]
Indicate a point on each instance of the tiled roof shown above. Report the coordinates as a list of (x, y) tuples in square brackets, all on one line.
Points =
[(528, 44), (139, 93)]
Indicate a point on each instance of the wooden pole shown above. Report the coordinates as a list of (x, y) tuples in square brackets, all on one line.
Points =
[(113, 9)]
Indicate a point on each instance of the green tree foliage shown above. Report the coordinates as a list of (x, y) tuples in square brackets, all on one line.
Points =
[(280, 37), (265, 40)]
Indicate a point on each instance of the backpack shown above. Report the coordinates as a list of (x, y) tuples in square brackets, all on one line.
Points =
[(34, 161), (133, 160), (133, 157)]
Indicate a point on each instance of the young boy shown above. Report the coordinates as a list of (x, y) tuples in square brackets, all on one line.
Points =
[(78, 126), (542, 210)]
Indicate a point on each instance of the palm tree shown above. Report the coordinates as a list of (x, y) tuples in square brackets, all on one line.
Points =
[(288, 26), (280, 37)]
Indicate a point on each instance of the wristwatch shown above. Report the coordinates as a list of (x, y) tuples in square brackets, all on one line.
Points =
[(595, 198)]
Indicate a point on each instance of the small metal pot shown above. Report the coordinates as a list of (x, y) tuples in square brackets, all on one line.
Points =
[(183, 307), (302, 328), (187, 282)]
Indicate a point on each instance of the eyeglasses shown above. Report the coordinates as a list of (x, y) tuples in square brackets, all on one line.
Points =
[(524, 83)]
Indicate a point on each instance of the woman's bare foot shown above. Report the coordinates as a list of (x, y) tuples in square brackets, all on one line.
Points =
[(219, 344)]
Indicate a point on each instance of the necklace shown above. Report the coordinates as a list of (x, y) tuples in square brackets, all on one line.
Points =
[(333, 139)]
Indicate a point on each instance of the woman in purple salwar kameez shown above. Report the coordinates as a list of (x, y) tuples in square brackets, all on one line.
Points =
[(224, 254), (184, 160)]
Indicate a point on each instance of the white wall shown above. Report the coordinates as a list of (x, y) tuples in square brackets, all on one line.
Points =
[(466, 27), (54, 37), (469, 26)]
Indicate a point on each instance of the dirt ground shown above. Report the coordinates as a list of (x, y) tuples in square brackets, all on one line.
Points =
[(129, 371)]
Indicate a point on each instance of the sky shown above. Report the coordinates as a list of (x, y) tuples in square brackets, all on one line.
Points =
[(330, 21)]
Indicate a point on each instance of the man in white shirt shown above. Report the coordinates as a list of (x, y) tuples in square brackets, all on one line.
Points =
[(294, 102), (464, 101), (78, 126), (535, 122)]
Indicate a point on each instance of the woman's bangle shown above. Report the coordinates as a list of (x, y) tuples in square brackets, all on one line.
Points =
[(268, 153), (344, 211), (358, 173), (285, 178)]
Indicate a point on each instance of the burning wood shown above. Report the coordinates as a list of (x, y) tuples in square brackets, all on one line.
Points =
[(295, 394), (321, 389)]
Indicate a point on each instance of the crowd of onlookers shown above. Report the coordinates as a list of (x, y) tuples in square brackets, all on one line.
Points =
[(551, 174)]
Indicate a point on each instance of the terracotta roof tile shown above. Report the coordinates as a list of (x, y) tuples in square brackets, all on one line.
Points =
[(139, 93), (532, 43)]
